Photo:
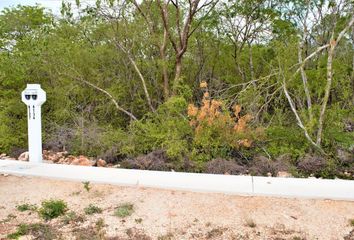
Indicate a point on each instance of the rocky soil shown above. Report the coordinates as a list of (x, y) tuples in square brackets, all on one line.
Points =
[(166, 214), (307, 166), (61, 158)]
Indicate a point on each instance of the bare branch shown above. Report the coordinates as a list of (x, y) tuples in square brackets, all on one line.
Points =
[(164, 14), (117, 43), (80, 79), (298, 119), (333, 44), (111, 97)]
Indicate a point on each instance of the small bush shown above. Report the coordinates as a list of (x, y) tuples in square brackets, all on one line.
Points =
[(52, 209), (100, 224), (318, 166), (72, 217), (124, 210), (285, 140), (156, 160), (22, 229), (26, 207), (8, 218), (134, 233), (37, 230), (215, 233), (222, 166), (261, 166), (351, 222), (298, 238), (138, 220), (91, 232), (311, 164), (92, 209), (167, 128), (87, 186), (168, 236), (218, 131)]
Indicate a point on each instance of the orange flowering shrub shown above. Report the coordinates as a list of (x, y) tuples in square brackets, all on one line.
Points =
[(216, 128)]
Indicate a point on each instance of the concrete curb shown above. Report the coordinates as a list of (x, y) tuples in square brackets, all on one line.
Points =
[(229, 184)]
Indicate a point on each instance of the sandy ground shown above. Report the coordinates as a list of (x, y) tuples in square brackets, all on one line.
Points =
[(166, 214)]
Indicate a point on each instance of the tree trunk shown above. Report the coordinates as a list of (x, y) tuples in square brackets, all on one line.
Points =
[(251, 63), (332, 45), (327, 91), (178, 72), (166, 89), (305, 83)]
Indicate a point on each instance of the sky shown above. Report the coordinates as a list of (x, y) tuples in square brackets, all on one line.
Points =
[(53, 5)]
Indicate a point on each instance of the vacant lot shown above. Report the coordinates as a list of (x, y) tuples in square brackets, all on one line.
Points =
[(97, 211)]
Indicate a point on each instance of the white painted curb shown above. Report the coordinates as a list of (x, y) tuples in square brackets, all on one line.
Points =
[(240, 185)]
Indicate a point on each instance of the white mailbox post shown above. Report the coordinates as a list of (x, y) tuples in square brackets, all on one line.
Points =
[(34, 96)]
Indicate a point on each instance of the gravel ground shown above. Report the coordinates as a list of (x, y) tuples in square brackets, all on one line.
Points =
[(166, 214)]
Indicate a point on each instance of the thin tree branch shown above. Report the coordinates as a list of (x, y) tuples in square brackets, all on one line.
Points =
[(138, 72), (298, 119), (333, 45), (111, 97), (80, 79)]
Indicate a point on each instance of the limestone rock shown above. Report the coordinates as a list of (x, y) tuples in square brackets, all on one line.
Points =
[(54, 156), (24, 156), (284, 174), (82, 161), (101, 163)]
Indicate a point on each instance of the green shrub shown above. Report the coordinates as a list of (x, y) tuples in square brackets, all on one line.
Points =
[(26, 207), (168, 128), (87, 186), (286, 140), (52, 209), (92, 209), (22, 229), (334, 134), (37, 230), (351, 222), (124, 210)]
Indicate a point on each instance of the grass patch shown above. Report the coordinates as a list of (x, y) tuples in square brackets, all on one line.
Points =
[(124, 210), (298, 238), (92, 232), (100, 224), (92, 209), (134, 233), (8, 218), (52, 209), (351, 222), (26, 207), (37, 230), (77, 193), (138, 220), (215, 232), (168, 236), (72, 217), (22, 229), (87, 186)]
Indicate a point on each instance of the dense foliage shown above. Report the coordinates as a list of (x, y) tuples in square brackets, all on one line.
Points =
[(199, 79)]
